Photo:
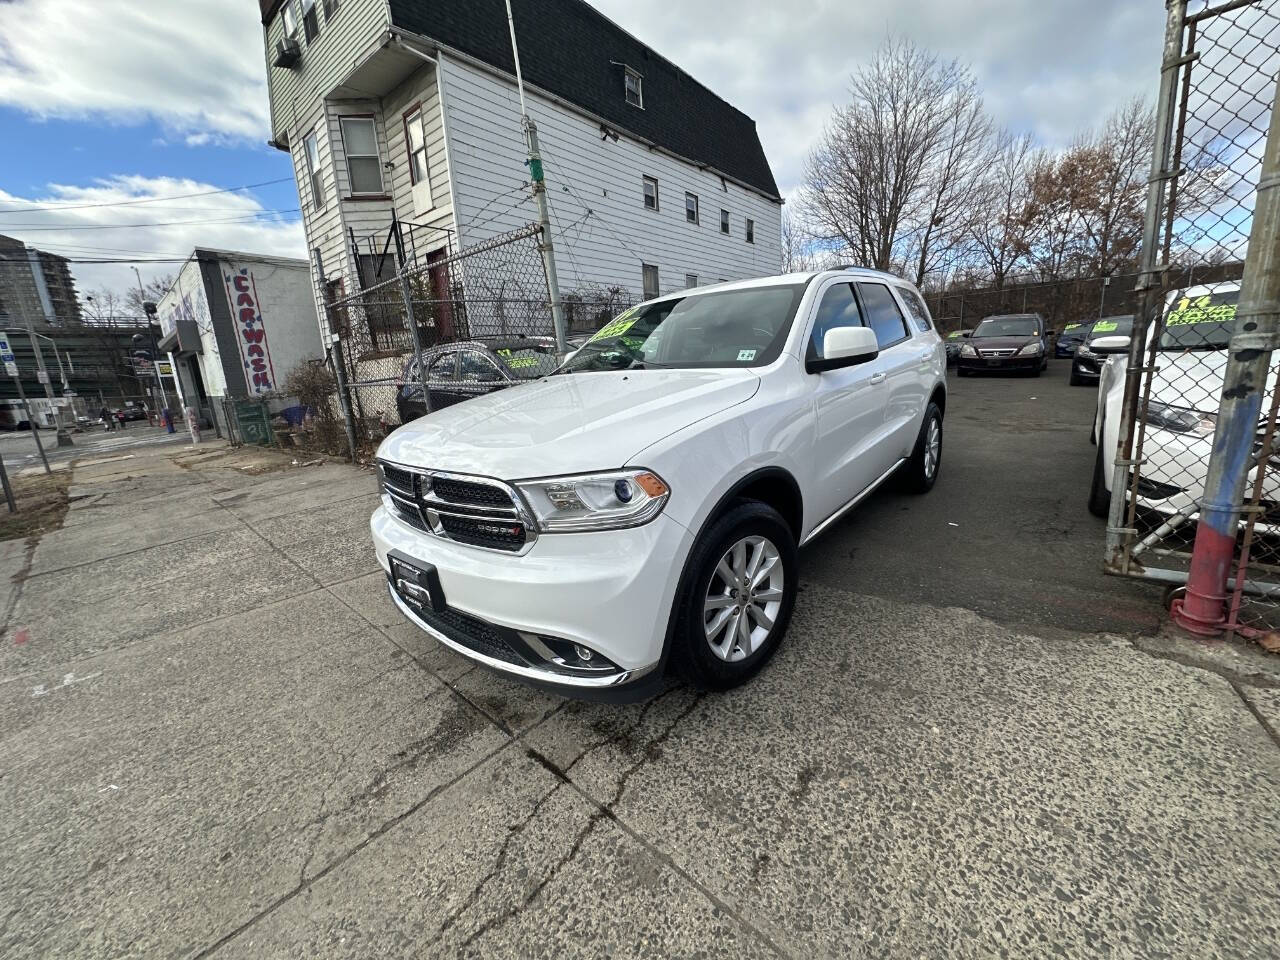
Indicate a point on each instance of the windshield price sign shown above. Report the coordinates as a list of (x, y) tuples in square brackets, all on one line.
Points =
[(6, 354)]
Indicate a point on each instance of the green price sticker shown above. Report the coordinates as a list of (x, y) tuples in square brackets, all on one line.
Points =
[(1105, 326), (1201, 311), (1070, 326), (616, 327), (953, 335)]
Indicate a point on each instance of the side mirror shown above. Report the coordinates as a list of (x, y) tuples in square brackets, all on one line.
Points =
[(1118, 343), (845, 347)]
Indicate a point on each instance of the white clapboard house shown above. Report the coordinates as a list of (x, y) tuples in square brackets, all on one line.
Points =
[(409, 109)]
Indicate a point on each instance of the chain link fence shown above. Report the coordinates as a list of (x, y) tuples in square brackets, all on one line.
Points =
[(1158, 410), (491, 296)]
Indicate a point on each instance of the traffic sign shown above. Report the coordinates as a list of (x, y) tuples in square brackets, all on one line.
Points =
[(6, 355), (42, 376)]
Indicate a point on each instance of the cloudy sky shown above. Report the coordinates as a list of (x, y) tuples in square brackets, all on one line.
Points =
[(125, 101)]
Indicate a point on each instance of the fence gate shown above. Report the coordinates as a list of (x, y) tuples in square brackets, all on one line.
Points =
[(1217, 88), (415, 304)]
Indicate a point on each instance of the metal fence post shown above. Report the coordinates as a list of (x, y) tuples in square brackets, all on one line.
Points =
[(1202, 610), (1147, 287), (407, 295)]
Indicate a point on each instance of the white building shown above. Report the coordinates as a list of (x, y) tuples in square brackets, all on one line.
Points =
[(408, 108), (235, 324)]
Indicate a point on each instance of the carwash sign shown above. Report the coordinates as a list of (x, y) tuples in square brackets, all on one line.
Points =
[(251, 334)]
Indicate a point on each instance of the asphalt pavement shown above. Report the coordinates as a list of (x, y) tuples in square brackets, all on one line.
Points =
[(21, 453), (219, 739)]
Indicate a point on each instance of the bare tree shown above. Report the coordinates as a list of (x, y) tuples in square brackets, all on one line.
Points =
[(896, 168), (996, 229), (797, 257), (152, 290)]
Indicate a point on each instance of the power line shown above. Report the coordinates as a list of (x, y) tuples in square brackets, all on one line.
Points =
[(125, 203), (166, 223)]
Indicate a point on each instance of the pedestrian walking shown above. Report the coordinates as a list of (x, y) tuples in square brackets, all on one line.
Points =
[(193, 423), (108, 423), (120, 418)]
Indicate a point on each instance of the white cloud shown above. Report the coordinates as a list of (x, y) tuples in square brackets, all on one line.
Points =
[(1048, 68), (165, 228), (195, 66)]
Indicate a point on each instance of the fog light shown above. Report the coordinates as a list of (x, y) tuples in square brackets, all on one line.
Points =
[(622, 490), (583, 653)]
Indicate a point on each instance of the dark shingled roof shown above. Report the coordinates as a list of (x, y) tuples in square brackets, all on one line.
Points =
[(571, 50)]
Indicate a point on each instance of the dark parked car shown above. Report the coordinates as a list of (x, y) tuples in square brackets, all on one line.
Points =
[(1086, 366), (460, 371), (1073, 334), (1017, 341), (955, 340)]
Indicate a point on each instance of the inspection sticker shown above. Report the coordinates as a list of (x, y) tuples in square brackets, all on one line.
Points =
[(746, 354)]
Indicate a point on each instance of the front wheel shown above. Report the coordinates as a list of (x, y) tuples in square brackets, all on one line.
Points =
[(921, 470), (738, 601), (1099, 498)]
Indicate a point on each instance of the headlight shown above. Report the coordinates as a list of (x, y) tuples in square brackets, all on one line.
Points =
[(1179, 419), (968, 350), (596, 501), (1084, 351), (1033, 349)]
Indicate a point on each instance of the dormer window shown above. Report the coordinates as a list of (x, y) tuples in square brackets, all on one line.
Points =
[(634, 85)]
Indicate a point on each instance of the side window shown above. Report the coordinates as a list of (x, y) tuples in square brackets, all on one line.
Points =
[(837, 309), (883, 315), (443, 368), (477, 368), (916, 307)]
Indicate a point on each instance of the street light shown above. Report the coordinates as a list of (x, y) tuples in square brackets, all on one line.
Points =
[(61, 372), (150, 309)]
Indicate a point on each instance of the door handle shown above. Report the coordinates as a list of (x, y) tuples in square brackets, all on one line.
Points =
[(877, 378)]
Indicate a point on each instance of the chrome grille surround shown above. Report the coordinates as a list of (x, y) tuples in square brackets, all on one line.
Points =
[(481, 512)]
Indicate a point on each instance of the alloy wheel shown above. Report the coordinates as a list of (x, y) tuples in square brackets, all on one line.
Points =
[(932, 448), (743, 598)]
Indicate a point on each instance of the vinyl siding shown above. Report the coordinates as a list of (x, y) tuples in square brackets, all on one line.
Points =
[(607, 248), (324, 63), (419, 89)]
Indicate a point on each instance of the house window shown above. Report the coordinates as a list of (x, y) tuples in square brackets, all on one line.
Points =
[(690, 280), (311, 149), (416, 143), (310, 20), (634, 85), (290, 20), (650, 193), (649, 274), (364, 163), (724, 222), (691, 208), (330, 9), (751, 231)]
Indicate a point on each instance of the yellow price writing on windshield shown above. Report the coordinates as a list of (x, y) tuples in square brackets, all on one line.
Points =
[(1105, 326), (1201, 311), (616, 327), (1070, 326)]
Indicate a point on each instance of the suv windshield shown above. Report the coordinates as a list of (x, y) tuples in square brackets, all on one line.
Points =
[(736, 328), (1008, 327), (1202, 322)]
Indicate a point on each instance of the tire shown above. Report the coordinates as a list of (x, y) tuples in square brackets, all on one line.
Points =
[(920, 472), (1076, 380), (1036, 372), (962, 372), (708, 659), (1099, 498)]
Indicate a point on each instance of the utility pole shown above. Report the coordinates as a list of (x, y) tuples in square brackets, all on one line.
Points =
[(540, 197), (11, 368)]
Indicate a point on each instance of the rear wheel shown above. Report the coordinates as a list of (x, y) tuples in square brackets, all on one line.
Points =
[(737, 604), (921, 470)]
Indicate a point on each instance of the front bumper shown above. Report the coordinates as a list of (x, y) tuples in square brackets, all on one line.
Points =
[(995, 364), (1086, 367), (612, 592)]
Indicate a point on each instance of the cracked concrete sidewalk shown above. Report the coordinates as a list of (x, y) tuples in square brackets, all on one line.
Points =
[(220, 739)]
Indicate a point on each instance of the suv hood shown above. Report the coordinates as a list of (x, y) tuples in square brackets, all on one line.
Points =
[(1194, 379), (571, 423)]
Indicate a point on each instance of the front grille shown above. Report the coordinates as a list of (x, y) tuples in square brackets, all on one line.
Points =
[(996, 353), (465, 491), (471, 510)]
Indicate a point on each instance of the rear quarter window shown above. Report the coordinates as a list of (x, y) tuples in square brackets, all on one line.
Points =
[(917, 309)]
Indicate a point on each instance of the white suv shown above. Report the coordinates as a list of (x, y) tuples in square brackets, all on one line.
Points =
[(644, 503)]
